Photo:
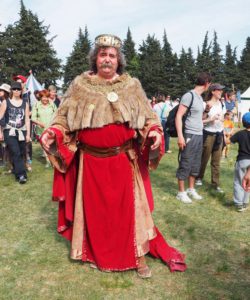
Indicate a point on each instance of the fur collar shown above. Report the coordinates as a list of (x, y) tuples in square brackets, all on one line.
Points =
[(86, 103)]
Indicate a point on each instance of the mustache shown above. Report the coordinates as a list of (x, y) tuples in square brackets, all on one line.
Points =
[(106, 65)]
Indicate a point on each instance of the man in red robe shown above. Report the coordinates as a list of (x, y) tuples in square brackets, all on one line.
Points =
[(102, 142)]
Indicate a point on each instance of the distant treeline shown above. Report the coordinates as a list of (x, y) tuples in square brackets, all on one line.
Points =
[(25, 46)]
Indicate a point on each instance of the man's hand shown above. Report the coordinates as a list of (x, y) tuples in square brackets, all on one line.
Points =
[(181, 143), (246, 181), (156, 136), (41, 125), (208, 107), (28, 139), (48, 139)]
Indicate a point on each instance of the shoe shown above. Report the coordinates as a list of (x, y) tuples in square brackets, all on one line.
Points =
[(183, 197), (241, 208), (169, 151), (219, 190), (198, 182), (193, 194), (144, 272), (22, 179), (93, 266)]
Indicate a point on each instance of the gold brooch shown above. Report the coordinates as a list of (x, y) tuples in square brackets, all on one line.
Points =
[(112, 97)]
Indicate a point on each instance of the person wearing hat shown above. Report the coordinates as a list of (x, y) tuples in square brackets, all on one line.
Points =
[(25, 93), (242, 137), (17, 129), (26, 97), (4, 95), (213, 135), (106, 129)]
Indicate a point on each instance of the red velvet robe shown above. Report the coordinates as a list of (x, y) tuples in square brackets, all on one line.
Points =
[(108, 202)]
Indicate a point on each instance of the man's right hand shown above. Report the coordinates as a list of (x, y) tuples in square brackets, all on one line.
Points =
[(246, 181), (48, 139), (181, 143)]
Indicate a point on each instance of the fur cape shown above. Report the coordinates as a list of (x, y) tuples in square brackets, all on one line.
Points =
[(86, 104)]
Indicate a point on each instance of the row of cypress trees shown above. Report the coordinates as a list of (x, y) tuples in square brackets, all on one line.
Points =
[(25, 45)]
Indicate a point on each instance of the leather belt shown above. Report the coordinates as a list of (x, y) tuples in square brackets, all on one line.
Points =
[(105, 152)]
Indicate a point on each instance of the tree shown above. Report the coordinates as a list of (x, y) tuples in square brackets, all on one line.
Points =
[(204, 61), (130, 54), (77, 62), (231, 73), (217, 70), (6, 67), (170, 64), (186, 70), (244, 66), (151, 66), (27, 48)]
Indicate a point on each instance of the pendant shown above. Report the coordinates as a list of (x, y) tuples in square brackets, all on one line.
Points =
[(112, 97)]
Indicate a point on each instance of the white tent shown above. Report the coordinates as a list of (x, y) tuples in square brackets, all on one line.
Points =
[(31, 85), (244, 103)]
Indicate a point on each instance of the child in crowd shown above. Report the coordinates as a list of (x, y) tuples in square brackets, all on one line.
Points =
[(242, 137), (42, 115), (228, 132)]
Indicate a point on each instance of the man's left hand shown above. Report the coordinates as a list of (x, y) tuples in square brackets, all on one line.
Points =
[(156, 137), (246, 181)]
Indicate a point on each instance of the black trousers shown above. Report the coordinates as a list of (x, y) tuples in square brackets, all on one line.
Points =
[(17, 150)]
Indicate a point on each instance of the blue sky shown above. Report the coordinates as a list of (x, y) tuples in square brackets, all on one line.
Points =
[(185, 21)]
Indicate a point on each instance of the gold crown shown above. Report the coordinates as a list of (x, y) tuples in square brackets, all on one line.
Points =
[(108, 40)]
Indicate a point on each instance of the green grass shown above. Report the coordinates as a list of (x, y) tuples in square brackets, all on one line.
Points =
[(35, 264)]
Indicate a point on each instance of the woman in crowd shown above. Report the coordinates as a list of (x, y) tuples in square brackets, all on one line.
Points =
[(213, 136), (17, 129), (4, 95), (42, 114), (53, 95)]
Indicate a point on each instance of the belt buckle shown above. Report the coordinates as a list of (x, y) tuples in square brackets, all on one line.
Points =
[(116, 150)]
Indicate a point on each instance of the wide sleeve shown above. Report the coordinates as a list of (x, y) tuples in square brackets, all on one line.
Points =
[(63, 150), (152, 123)]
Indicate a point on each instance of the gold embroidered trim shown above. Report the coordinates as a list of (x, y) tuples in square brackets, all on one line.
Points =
[(76, 254)]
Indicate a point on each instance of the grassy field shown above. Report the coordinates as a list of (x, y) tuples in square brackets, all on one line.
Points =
[(35, 262)]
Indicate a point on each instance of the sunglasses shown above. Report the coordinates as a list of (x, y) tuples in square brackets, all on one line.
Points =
[(16, 90)]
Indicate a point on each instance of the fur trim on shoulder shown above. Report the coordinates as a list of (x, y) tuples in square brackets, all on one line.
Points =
[(86, 103)]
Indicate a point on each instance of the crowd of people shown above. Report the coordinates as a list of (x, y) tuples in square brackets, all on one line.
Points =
[(206, 135), (21, 122), (102, 140)]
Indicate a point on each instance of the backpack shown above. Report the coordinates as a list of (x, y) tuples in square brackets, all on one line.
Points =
[(170, 124)]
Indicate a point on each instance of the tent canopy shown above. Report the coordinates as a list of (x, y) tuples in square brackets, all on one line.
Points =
[(32, 85), (246, 95)]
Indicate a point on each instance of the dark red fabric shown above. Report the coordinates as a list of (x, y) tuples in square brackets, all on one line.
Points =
[(64, 188), (159, 248), (108, 185), (108, 201)]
